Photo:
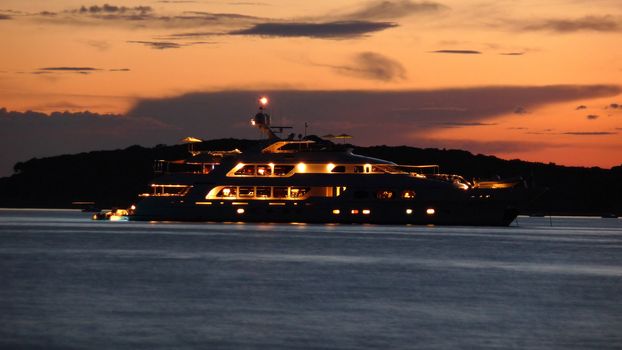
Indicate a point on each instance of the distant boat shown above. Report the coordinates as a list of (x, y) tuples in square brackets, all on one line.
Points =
[(316, 181)]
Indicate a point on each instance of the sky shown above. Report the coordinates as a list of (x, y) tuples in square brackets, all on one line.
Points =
[(518, 79)]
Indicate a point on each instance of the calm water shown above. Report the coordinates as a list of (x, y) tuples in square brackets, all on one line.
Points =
[(70, 283)]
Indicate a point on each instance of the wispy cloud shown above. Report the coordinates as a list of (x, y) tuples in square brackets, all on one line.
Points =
[(389, 10), (458, 52), (70, 69), (590, 133), (371, 65), (591, 117), (581, 107), (606, 23), (341, 29), (512, 53), (5, 17), (164, 45)]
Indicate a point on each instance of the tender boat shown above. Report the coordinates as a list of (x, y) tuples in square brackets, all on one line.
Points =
[(312, 180)]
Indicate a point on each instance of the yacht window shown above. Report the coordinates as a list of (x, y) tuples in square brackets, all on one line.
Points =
[(358, 168), (298, 192), (339, 169), (227, 192), (263, 192), (246, 170), (282, 170), (263, 170), (247, 191), (384, 194), (280, 192), (408, 194)]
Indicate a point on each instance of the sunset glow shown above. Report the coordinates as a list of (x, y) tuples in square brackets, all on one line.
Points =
[(515, 79)]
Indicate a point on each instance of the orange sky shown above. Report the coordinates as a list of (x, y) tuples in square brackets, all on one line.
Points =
[(111, 58)]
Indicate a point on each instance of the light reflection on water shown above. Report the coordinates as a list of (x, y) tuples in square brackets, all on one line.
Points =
[(68, 282)]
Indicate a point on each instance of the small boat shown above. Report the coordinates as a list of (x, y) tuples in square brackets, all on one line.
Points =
[(314, 180), (112, 215)]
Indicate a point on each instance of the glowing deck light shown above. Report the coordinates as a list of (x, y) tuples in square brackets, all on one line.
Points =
[(409, 211), (133, 207), (263, 100), (336, 211), (430, 211), (240, 210), (366, 211), (301, 167), (330, 167), (354, 211)]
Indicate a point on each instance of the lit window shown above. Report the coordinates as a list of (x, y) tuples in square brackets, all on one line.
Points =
[(330, 167), (354, 211), (430, 211), (366, 211), (336, 211), (384, 194), (409, 211), (408, 194)]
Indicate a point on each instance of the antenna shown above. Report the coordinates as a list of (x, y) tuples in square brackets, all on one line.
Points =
[(261, 120)]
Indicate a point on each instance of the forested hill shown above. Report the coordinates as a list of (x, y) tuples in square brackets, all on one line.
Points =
[(114, 178)]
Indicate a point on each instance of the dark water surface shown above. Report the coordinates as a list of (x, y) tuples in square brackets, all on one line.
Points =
[(70, 283)]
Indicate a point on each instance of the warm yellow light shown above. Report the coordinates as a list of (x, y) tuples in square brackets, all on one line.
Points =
[(367, 168), (354, 211), (409, 211), (239, 166), (430, 211), (133, 207), (336, 211), (366, 211), (263, 100), (330, 167), (240, 210), (301, 167)]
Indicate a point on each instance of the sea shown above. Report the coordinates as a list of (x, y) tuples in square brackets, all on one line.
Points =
[(67, 282)]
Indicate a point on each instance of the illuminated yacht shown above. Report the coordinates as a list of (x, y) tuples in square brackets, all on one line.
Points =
[(315, 181)]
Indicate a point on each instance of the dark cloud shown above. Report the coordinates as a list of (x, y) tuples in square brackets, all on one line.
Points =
[(591, 117), (176, 1), (459, 52), (581, 107), (163, 45), (372, 117), (119, 70), (5, 17), (70, 69), (589, 133), (388, 10), (615, 106), (512, 53), (374, 66), (605, 23), (340, 29), (112, 9), (520, 110), (159, 45), (47, 13)]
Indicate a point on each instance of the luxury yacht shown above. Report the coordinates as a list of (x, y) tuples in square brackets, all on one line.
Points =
[(312, 180)]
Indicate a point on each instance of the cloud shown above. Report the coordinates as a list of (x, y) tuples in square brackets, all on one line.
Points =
[(5, 17), (340, 29), (520, 110), (119, 70), (112, 9), (163, 45), (605, 23), (373, 66), (591, 117), (589, 133), (512, 53), (458, 52), (463, 124), (388, 10), (70, 69), (159, 45), (581, 107), (615, 106)]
